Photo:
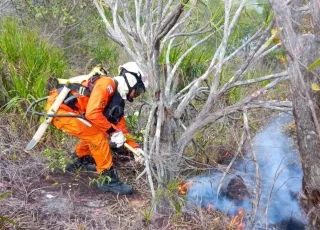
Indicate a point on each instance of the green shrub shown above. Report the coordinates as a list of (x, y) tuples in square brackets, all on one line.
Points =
[(57, 159), (192, 66), (27, 61), (106, 52)]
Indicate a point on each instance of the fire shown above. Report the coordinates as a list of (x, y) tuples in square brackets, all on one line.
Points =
[(184, 186), (226, 154), (237, 221)]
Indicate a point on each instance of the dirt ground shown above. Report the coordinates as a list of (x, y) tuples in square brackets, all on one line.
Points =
[(42, 200), (32, 197), (39, 199)]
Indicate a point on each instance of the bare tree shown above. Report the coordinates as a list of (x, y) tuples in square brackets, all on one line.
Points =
[(147, 29), (299, 23)]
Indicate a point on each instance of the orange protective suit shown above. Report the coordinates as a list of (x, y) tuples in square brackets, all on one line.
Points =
[(93, 130)]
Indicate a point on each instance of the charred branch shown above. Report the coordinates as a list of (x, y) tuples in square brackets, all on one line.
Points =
[(170, 21)]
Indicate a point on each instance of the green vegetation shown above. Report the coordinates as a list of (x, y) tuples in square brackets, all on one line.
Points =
[(28, 56), (58, 158), (78, 29), (132, 122), (68, 38), (26, 62), (101, 179)]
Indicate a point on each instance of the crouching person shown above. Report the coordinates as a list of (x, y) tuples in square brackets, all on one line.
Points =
[(100, 100)]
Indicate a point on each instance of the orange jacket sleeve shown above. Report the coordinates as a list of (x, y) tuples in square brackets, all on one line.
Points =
[(100, 97), (121, 125)]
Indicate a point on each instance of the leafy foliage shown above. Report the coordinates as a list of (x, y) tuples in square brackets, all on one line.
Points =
[(26, 61), (106, 52), (101, 179), (58, 159), (314, 65), (132, 122)]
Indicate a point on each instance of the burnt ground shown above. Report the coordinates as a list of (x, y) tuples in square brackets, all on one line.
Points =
[(37, 198), (42, 200), (66, 201), (33, 197)]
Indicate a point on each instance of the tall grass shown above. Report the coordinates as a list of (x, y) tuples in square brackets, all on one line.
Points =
[(27, 61), (192, 66), (107, 53)]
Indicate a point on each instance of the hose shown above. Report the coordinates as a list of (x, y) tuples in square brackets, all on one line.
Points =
[(29, 110)]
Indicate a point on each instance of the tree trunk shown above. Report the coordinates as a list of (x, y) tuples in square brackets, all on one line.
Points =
[(308, 139), (303, 50)]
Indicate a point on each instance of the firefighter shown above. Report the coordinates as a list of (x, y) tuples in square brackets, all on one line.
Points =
[(100, 99)]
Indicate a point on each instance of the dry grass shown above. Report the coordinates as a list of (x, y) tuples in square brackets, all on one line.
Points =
[(40, 199)]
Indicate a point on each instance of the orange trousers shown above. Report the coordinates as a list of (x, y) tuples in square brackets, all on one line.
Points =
[(93, 140)]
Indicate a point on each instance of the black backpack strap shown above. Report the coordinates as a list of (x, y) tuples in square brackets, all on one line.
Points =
[(115, 110), (71, 99), (82, 90), (92, 80)]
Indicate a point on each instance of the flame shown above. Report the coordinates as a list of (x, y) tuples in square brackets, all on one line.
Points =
[(184, 186), (237, 221), (226, 153)]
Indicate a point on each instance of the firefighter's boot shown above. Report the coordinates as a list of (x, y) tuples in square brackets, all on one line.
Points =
[(111, 183), (85, 163)]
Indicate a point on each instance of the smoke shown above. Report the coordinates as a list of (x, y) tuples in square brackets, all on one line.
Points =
[(280, 176)]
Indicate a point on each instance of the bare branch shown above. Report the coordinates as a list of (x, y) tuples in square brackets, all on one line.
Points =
[(226, 36), (4, 5), (211, 69), (260, 79), (159, 18), (173, 71), (174, 28), (168, 57), (217, 67), (256, 166), (275, 178), (158, 128), (222, 50), (240, 145), (200, 122), (137, 4), (169, 22), (197, 32), (105, 21), (259, 56), (145, 148), (285, 106), (252, 38), (167, 6)]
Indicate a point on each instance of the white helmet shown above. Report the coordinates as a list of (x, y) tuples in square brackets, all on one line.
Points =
[(134, 78)]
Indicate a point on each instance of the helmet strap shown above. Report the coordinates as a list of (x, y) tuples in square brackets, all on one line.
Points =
[(138, 78)]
